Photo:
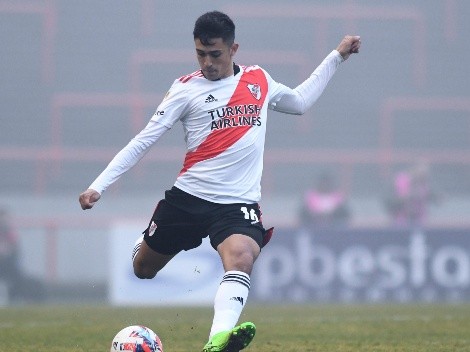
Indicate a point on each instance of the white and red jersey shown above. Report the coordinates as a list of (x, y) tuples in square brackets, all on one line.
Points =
[(224, 124)]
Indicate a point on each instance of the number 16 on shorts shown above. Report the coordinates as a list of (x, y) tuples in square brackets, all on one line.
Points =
[(250, 215)]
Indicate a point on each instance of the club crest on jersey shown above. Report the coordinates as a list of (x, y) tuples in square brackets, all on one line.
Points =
[(255, 90)]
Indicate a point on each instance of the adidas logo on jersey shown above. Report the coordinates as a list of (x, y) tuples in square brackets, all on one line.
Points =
[(210, 99)]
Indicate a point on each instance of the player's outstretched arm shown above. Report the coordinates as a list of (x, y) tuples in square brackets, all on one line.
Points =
[(349, 45), (88, 198), (298, 100)]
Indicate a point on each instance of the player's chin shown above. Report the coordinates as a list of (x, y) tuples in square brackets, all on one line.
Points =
[(211, 75)]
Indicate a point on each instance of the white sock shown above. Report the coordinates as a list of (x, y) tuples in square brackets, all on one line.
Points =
[(229, 301), (137, 245)]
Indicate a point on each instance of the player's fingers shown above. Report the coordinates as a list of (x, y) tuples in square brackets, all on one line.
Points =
[(85, 202), (88, 199), (86, 205), (355, 47)]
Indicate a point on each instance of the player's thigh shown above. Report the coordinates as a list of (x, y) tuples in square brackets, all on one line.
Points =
[(240, 218), (172, 230)]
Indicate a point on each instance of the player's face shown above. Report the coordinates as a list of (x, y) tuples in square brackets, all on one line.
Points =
[(216, 59)]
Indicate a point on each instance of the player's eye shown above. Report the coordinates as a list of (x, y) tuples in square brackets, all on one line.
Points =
[(215, 54)]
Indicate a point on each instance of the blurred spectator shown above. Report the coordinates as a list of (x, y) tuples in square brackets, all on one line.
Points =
[(325, 204), (20, 288), (412, 195)]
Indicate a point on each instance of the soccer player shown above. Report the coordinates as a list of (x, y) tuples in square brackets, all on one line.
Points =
[(223, 109)]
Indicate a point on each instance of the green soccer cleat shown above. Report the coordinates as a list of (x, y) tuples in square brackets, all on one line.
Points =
[(231, 341)]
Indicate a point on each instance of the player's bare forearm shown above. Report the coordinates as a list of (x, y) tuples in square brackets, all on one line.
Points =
[(88, 198), (349, 45)]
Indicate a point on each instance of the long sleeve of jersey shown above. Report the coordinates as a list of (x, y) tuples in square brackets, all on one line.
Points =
[(224, 122), (298, 100), (129, 155)]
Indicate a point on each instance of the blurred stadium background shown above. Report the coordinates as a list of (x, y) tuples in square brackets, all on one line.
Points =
[(80, 78)]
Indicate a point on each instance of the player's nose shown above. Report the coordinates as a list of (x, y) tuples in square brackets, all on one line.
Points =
[(207, 62)]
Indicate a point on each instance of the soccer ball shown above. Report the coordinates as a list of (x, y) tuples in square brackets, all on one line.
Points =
[(136, 338)]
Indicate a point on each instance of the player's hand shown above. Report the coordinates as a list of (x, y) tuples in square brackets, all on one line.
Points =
[(349, 45), (88, 198)]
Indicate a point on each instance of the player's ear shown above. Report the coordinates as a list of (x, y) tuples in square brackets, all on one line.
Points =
[(233, 49)]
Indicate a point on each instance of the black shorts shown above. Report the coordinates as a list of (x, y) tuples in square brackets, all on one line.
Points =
[(181, 221)]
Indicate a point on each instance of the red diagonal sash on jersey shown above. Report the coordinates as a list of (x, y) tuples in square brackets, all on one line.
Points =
[(220, 140)]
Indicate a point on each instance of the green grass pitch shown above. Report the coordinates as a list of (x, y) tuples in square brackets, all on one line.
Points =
[(289, 328)]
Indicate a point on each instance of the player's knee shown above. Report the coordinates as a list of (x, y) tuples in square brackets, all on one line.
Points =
[(245, 264), (143, 272), (241, 261), (239, 253)]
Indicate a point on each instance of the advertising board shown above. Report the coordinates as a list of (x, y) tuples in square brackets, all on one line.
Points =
[(366, 265)]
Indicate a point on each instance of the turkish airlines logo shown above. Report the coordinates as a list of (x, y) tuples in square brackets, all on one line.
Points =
[(255, 90)]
